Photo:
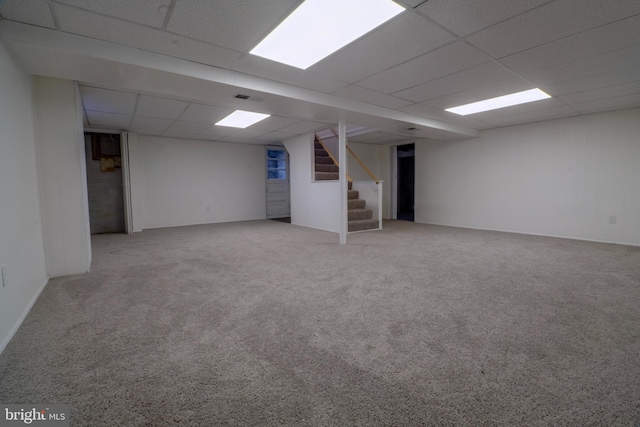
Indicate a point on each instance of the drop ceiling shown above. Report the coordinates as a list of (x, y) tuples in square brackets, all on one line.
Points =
[(173, 67)]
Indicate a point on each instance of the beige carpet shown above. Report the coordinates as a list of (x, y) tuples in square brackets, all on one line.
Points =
[(266, 323)]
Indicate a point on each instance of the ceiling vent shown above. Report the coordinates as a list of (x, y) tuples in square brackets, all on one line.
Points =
[(241, 96)]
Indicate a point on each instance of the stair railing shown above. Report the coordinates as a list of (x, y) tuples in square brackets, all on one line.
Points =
[(360, 162), (330, 155)]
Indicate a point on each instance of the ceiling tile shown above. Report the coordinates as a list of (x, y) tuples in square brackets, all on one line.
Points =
[(534, 116), (612, 78), (396, 38), (411, 3), (251, 136), (615, 103), (446, 60), (611, 37), (146, 12), (623, 58), (602, 93), (108, 120), (185, 128), (265, 68), (480, 93), (107, 101), (303, 127), (274, 123), (391, 139), (272, 137), (540, 106), (149, 132), (150, 124), (458, 82), (439, 114), (216, 132), (464, 17), (162, 108), (200, 113), (237, 25), (550, 22), (88, 24), (33, 12), (371, 97)]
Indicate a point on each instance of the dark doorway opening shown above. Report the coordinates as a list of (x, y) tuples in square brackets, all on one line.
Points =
[(406, 180), (104, 183)]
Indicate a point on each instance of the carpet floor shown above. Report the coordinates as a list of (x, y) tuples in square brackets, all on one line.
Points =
[(266, 323)]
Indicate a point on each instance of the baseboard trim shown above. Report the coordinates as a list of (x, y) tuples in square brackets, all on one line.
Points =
[(12, 332), (556, 236)]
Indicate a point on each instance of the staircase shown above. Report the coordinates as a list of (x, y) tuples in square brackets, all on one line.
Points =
[(326, 170), (360, 218)]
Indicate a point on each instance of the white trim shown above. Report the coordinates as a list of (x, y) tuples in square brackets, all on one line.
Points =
[(555, 236), (126, 182), (344, 189), (18, 323), (393, 188)]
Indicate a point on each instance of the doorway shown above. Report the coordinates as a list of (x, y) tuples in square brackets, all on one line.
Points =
[(405, 161), (277, 186), (104, 183)]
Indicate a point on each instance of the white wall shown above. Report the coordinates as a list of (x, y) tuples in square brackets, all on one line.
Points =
[(313, 204), (564, 177), (370, 154), (63, 181), (183, 182), (21, 238), (376, 158)]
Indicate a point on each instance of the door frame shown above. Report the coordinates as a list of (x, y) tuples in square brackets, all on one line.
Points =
[(393, 190), (287, 183)]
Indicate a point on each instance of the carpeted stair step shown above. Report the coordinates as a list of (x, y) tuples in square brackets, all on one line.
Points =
[(363, 224), (359, 214), (356, 204), (323, 160), (318, 146), (327, 176), (320, 152), (353, 194), (327, 168)]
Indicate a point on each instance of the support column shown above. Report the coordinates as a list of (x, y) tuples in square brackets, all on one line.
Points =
[(342, 156)]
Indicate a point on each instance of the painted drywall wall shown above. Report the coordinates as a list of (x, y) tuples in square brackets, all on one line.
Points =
[(570, 177), (21, 235), (313, 204), (370, 156), (63, 181), (376, 158), (183, 182)]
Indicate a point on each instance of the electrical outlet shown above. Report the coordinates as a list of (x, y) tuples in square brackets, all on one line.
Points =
[(5, 281), (613, 219)]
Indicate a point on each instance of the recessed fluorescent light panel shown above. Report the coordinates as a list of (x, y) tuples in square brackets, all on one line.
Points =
[(317, 28), (242, 119), (500, 102)]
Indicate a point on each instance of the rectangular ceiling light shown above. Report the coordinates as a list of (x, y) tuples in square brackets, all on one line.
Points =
[(317, 28), (242, 119), (500, 102)]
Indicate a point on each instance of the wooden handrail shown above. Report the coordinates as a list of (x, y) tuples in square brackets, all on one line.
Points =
[(355, 156), (330, 155)]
